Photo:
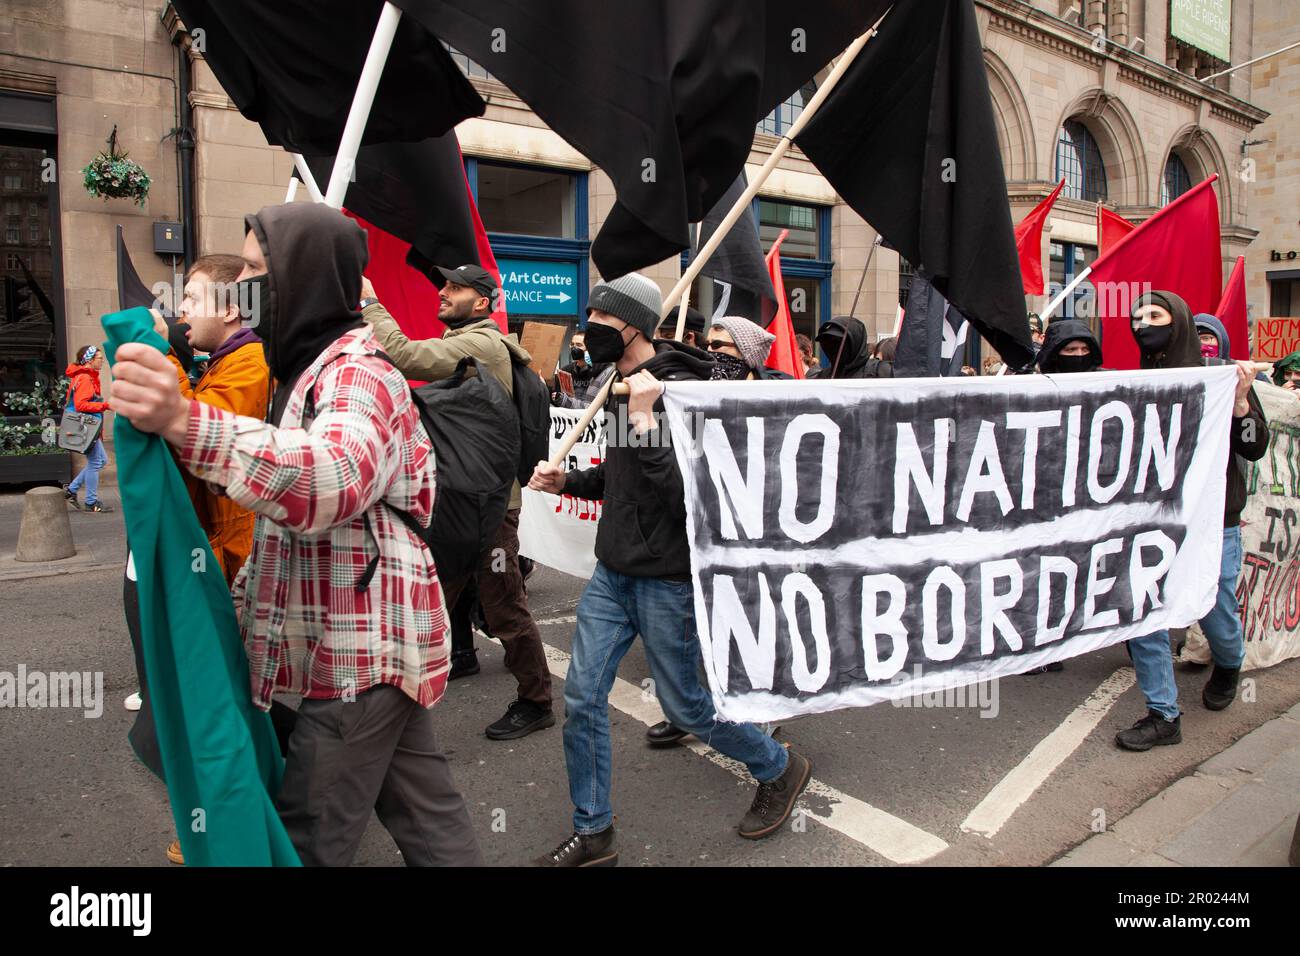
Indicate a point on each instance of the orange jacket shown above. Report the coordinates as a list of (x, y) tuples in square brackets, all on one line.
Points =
[(238, 382), (84, 390)]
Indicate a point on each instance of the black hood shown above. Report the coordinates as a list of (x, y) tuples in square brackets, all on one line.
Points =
[(1061, 332), (314, 257), (856, 351), (1184, 349), (675, 361)]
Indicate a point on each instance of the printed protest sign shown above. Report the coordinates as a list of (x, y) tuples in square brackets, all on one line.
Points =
[(858, 541), (559, 531)]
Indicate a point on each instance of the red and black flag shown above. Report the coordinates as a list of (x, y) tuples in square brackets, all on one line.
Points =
[(908, 138), (741, 283)]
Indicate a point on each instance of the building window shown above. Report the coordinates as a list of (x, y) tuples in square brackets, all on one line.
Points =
[(526, 201), (468, 66), (1067, 260), (905, 273), (1175, 181), (779, 121), (13, 181), (1078, 162), (34, 231), (802, 221), (13, 235)]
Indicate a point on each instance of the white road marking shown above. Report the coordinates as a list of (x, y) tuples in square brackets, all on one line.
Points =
[(891, 837), (1027, 776)]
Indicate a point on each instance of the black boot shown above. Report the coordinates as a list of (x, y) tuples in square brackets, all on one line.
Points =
[(1151, 731), (1221, 688), (463, 664), (775, 799), (664, 734), (592, 849)]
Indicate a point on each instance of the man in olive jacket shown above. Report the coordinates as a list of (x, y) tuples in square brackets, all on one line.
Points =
[(466, 308)]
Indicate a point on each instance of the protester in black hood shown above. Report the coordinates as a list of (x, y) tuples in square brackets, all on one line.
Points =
[(642, 584), (1069, 346), (844, 342), (310, 292), (1167, 337)]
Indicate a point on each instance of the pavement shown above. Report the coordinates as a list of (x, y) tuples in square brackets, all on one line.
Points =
[(1023, 771)]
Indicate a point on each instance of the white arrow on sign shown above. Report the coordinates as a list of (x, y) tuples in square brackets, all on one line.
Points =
[(561, 297)]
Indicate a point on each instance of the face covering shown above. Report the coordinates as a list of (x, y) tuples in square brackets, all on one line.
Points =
[(1075, 363), (1153, 339), (728, 368), (255, 309), (1209, 351), (604, 343), (576, 355)]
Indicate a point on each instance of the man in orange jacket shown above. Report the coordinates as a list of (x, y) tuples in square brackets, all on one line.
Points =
[(237, 379)]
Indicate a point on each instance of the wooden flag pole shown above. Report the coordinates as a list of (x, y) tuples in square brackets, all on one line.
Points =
[(747, 197), (362, 101), (681, 314)]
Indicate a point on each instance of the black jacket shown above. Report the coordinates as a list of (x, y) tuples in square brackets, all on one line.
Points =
[(642, 530), (1060, 333), (1184, 351)]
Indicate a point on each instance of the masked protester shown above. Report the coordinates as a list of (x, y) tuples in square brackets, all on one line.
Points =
[(1167, 337), (642, 584), (1286, 373), (692, 334), (466, 308), (845, 346), (1069, 346), (339, 601), (740, 349)]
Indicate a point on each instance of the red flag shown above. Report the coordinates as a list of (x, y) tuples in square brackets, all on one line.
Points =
[(1111, 228), (1029, 243), (785, 356), (1177, 250), (1231, 311)]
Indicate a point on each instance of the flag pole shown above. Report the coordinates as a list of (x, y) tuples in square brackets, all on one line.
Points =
[(308, 180), (364, 98), (747, 197), (292, 192), (1074, 283), (871, 254)]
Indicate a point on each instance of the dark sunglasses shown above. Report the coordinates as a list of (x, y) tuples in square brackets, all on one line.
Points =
[(716, 345)]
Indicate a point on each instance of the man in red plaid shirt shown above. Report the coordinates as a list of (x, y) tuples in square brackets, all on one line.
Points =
[(339, 600)]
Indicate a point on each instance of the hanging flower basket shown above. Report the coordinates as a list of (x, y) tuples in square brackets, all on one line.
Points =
[(111, 175)]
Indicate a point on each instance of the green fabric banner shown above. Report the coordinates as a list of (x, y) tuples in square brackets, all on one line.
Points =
[(219, 752)]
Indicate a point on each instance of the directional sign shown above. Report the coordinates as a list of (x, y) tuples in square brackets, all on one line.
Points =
[(536, 287)]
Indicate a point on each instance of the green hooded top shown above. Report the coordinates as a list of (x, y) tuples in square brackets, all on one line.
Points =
[(1280, 368)]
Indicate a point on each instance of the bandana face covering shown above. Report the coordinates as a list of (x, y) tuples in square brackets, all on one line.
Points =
[(1209, 351), (1075, 363), (728, 368)]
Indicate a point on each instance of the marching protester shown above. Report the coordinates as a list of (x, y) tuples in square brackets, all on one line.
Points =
[(466, 309), (1286, 372), (881, 363), (1037, 334), (1069, 346), (807, 353), (1167, 338), (692, 335), (340, 600), (642, 585), (844, 343), (84, 396), (740, 348), (579, 367)]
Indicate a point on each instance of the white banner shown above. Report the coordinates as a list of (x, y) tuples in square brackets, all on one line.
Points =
[(1268, 589), (559, 531), (859, 541)]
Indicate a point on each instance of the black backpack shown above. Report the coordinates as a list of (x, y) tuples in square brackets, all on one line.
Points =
[(533, 403)]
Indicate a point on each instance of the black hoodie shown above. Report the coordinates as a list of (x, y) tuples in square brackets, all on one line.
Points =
[(642, 530), (314, 257), (1184, 351), (1060, 333), (855, 353)]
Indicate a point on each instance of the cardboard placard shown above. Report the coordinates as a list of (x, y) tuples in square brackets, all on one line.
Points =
[(1276, 338), (543, 341)]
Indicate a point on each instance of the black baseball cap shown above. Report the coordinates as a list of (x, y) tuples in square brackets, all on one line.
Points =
[(475, 277)]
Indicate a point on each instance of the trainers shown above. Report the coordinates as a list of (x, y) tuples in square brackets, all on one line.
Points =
[(134, 702), (99, 507), (583, 849), (463, 664), (70, 497), (522, 718), (1151, 731), (1221, 689), (775, 799)]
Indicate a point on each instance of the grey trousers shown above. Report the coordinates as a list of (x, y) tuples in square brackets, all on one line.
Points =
[(377, 752)]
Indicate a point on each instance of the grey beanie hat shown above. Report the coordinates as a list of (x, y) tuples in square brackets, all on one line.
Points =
[(753, 341), (633, 298)]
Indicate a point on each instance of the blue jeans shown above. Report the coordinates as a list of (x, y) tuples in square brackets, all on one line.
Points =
[(613, 609), (96, 459), (1152, 658)]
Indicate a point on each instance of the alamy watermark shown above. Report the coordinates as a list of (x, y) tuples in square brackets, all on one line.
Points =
[(76, 690)]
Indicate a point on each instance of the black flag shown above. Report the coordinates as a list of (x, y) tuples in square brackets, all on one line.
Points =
[(292, 66), (741, 283), (132, 293), (416, 192), (662, 96), (932, 340), (908, 139)]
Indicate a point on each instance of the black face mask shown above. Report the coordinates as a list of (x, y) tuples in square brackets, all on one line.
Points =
[(604, 343), (254, 295), (728, 368), (576, 354), (1153, 339), (1075, 363)]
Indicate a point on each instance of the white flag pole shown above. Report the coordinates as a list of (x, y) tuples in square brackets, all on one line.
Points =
[(308, 180), (1074, 284), (361, 103), (702, 257), (292, 192)]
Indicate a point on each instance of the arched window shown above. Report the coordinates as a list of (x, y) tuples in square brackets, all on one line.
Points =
[(1175, 181), (1078, 161)]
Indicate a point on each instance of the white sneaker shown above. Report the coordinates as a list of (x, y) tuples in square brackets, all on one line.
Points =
[(133, 702)]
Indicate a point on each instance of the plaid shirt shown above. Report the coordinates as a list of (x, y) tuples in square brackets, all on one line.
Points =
[(305, 626)]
